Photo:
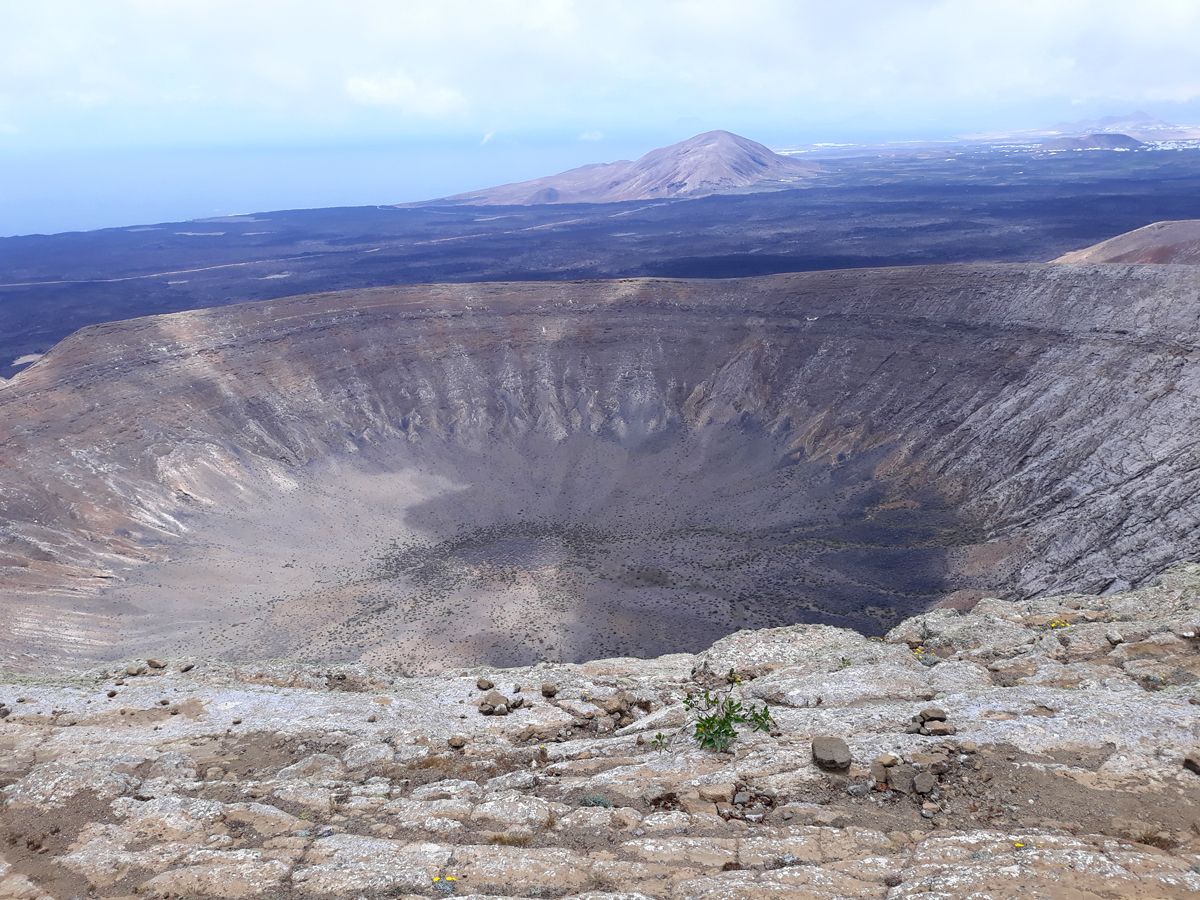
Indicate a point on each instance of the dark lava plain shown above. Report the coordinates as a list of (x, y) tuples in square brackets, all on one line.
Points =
[(934, 206)]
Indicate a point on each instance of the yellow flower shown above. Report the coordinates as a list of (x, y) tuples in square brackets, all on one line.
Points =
[(1018, 844)]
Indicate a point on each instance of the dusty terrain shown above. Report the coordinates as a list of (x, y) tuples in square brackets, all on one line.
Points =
[(716, 162), (1057, 766), (430, 476), (1162, 242)]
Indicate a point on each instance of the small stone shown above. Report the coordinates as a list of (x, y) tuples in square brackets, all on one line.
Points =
[(5, 712), (164, 702), (900, 778), (929, 810), (516, 703), (968, 747), (1191, 762), (237, 722), (858, 790), (888, 759), (924, 782), (932, 714), (484, 684), (372, 718), (940, 729), (134, 669), (741, 798), (715, 793), (501, 710), (111, 694), (156, 664), (879, 773), (457, 741), (549, 689), (913, 728), (831, 753), (495, 698), (187, 667)]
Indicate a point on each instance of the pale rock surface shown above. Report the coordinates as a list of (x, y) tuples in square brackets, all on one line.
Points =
[(1065, 777)]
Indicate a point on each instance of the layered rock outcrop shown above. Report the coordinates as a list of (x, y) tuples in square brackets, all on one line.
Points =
[(1066, 775)]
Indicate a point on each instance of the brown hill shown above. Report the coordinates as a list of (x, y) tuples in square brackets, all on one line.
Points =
[(715, 162), (1163, 242), (1102, 141)]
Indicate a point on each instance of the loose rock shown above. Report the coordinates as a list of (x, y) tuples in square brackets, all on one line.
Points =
[(831, 753)]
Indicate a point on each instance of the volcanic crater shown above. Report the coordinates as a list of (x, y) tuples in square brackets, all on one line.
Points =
[(440, 475)]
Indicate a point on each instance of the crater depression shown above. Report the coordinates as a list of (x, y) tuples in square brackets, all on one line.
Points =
[(429, 476)]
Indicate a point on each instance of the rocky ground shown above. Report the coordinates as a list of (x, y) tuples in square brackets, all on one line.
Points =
[(1044, 748)]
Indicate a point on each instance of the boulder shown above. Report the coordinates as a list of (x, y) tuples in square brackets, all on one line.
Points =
[(831, 753)]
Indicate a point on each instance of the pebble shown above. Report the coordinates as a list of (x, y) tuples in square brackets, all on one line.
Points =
[(484, 684), (156, 664), (187, 667), (457, 741), (549, 689), (932, 714)]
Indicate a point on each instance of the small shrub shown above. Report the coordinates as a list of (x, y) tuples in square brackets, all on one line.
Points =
[(717, 716), (596, 800)]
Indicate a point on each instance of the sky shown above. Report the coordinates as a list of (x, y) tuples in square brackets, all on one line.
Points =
[(119, 108)]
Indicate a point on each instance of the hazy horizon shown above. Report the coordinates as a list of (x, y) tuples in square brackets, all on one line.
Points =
[(130, 112)]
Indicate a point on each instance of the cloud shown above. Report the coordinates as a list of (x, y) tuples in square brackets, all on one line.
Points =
[(487, 138), (591, 135), (404, 93), (228, 70)]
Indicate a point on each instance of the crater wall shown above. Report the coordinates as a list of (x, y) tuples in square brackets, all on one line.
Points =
[(505, 472)]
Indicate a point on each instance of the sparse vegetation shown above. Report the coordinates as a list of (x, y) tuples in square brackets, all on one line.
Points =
[(716, 715), (596, 801)]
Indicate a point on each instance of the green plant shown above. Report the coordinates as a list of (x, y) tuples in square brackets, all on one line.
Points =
[(845, 662), (596, 800), (717, 715), (659, 742)]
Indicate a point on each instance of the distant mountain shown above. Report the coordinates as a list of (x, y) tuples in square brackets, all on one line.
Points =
[(1163, 242), (1128, 123), (1097, 141), (1137, 125), (716, 162)]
